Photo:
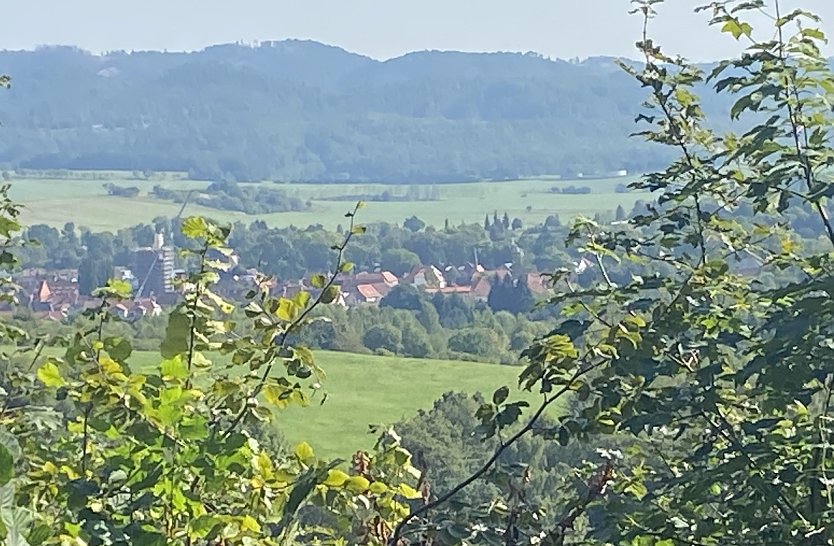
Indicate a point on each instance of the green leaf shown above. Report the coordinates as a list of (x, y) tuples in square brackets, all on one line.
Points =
[(203, 525), (6, 465), (195, 227), (500, 395), (50, 375), (146, 537), (250, 524), (813, 33), (336, 478), (346, 267), (194, 428), (305, 355), (118, 348), (274, 395), (287, 310), (114, 288), (301, 299), (330, 295), (39, 535), (408, 492), (358, 230), (637, 489), (173, 369), (358, 484), (318, 281), (304, 452), (737, 28), (221, 304), (172, 396), (7, 225), (300, 491)]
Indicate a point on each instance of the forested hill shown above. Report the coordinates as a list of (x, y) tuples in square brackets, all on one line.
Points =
[(303, 111)]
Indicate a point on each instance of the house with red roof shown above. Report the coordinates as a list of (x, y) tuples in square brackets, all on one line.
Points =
[(363, 294)]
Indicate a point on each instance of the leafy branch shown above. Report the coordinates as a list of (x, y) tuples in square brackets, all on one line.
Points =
[(325, 295), (529, 426)]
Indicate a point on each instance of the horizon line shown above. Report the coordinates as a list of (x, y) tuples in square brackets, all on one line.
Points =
[(255, 44)]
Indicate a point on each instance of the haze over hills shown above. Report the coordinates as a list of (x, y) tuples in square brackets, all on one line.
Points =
[(304, 111)]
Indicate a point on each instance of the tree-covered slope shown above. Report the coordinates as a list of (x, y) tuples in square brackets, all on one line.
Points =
[(301, 110)]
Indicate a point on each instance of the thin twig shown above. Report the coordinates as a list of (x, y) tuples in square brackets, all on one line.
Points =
[(796, 125), (294, 325), (530, 425)]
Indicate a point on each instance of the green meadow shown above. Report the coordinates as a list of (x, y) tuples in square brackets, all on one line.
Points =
[(85, 202), (366, 390)]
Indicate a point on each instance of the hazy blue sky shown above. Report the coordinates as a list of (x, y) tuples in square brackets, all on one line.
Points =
[(379, 28)]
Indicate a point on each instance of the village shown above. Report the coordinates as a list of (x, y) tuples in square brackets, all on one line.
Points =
[(56, 295)]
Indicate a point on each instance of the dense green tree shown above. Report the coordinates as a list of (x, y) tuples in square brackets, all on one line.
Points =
[(524, 300), (521, 340), (383, 336), (475, 341), (454, 311), (497, 232), (511, 295), (403, 296), (429, 317), (414, 224), (399, 260), (97, 267), (552, 221), (501, 293), (68, 232), (92, 274), (415, 342)]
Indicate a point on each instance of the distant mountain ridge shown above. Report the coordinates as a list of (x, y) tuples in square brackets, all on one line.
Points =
[(304, 111)]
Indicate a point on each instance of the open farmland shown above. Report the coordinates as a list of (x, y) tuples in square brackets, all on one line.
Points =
[(55, 201)]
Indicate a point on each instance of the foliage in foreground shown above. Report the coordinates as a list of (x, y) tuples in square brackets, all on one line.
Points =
[(104, 455), (723, 383)]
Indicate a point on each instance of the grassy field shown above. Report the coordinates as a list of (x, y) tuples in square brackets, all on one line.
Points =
[(85, 202), (365, 390)]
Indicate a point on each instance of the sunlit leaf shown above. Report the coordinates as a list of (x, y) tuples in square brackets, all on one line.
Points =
[(50, 375)]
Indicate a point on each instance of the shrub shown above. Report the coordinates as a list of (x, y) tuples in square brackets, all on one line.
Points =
[(382, 336)]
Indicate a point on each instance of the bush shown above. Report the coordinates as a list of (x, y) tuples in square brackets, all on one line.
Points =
[(475, 341), (521, 340), (576, 190), (382, 336), (416, 343), (404, 296)]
